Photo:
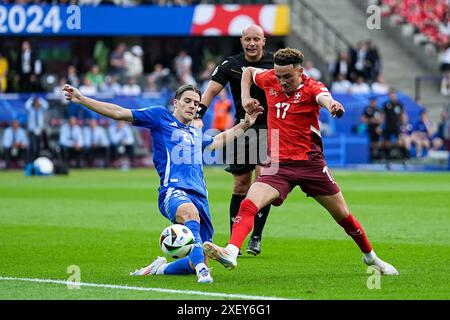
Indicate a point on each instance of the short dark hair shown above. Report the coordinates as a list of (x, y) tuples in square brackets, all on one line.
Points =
[(186, 87), (287, 56)]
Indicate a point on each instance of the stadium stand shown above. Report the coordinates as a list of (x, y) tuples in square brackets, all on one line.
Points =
[(141, 71)]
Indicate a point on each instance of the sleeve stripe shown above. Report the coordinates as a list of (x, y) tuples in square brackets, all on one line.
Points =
[(258, 70), (322, 94)]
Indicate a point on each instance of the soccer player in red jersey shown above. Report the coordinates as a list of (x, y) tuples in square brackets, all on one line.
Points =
[(296, 155)]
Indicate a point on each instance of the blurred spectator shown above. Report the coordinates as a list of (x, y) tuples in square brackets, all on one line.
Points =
[(4, 67), (111, 86), (373, 119), (72, 77), (15, 143), (36, 108), (183, 64), (341, 85), (133, 62), (150, 84), (95, 143), (379, 86), (117, 61), (360, 86), (405, 139), (95, 77), (392, 111), (71, 142), (444, 60), (122, 141), (421, 135), (131, 88), (358, 60), (443, 130), (372, 63), (87, 88), (310, 71), (28, 65), (342, 66), (161, 75), (35, 84), (58, 92), (187, 78), (206, 74), (222, 112)]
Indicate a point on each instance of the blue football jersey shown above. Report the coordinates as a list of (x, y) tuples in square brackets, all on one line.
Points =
[(177, 149)]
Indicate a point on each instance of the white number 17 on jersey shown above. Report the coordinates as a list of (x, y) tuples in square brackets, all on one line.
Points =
[(282, 106)]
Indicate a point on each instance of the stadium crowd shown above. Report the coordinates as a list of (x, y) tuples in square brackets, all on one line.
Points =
[(430, 20)]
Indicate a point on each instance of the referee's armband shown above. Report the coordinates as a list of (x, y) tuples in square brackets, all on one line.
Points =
[(201, 111)]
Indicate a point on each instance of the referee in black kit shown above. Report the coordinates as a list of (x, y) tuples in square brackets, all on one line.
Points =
[(242, 165)]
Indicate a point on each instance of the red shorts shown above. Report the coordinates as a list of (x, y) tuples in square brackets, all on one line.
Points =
[(313, 177)]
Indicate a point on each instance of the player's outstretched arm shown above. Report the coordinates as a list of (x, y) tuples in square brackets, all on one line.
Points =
[(110, 110), (248, 103), (223, 138), (334, 107)]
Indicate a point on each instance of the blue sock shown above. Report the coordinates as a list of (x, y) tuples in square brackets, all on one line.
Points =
[(196, 254), (180, 266)]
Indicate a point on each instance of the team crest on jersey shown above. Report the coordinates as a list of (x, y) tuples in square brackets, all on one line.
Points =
[(297, 97), (273, 92)]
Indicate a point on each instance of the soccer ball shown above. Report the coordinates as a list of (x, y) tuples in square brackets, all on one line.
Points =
[(43, 166), (176, 241)]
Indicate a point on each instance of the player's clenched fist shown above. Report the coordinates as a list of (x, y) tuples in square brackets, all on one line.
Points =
[(336, 109), (250, 105), (72, 93)]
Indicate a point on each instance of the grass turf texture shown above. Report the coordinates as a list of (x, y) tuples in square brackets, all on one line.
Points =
[(108, 224)]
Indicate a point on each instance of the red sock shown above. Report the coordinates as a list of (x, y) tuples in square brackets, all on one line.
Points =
[(243, 223), (355, 230)]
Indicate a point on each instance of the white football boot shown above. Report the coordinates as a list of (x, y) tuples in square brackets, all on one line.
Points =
[(221, 255), (383, 267), (204, 276), (155, 268)]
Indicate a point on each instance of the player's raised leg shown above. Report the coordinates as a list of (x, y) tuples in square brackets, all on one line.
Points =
[(259, 195), (336, 206)]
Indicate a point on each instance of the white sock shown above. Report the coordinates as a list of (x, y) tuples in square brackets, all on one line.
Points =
[(233, 249), (200, 267), (370, 256)]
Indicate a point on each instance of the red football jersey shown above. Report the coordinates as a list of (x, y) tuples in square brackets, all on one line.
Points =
[(292, 120)]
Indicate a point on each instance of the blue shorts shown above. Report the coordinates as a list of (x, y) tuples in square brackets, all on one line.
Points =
[(170, 199)]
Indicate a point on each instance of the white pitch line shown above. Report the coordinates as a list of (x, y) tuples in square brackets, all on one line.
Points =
[(113, 286)]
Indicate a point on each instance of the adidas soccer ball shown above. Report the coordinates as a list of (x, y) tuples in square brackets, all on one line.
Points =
[(176, 241)]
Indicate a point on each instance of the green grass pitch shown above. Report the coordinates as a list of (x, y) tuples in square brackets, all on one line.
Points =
[(107, 223)]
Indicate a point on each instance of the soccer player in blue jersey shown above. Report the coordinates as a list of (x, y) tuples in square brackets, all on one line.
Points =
[(178, 157)]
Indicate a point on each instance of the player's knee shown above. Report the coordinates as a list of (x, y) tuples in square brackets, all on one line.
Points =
[(242, 184), (187, 212)]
